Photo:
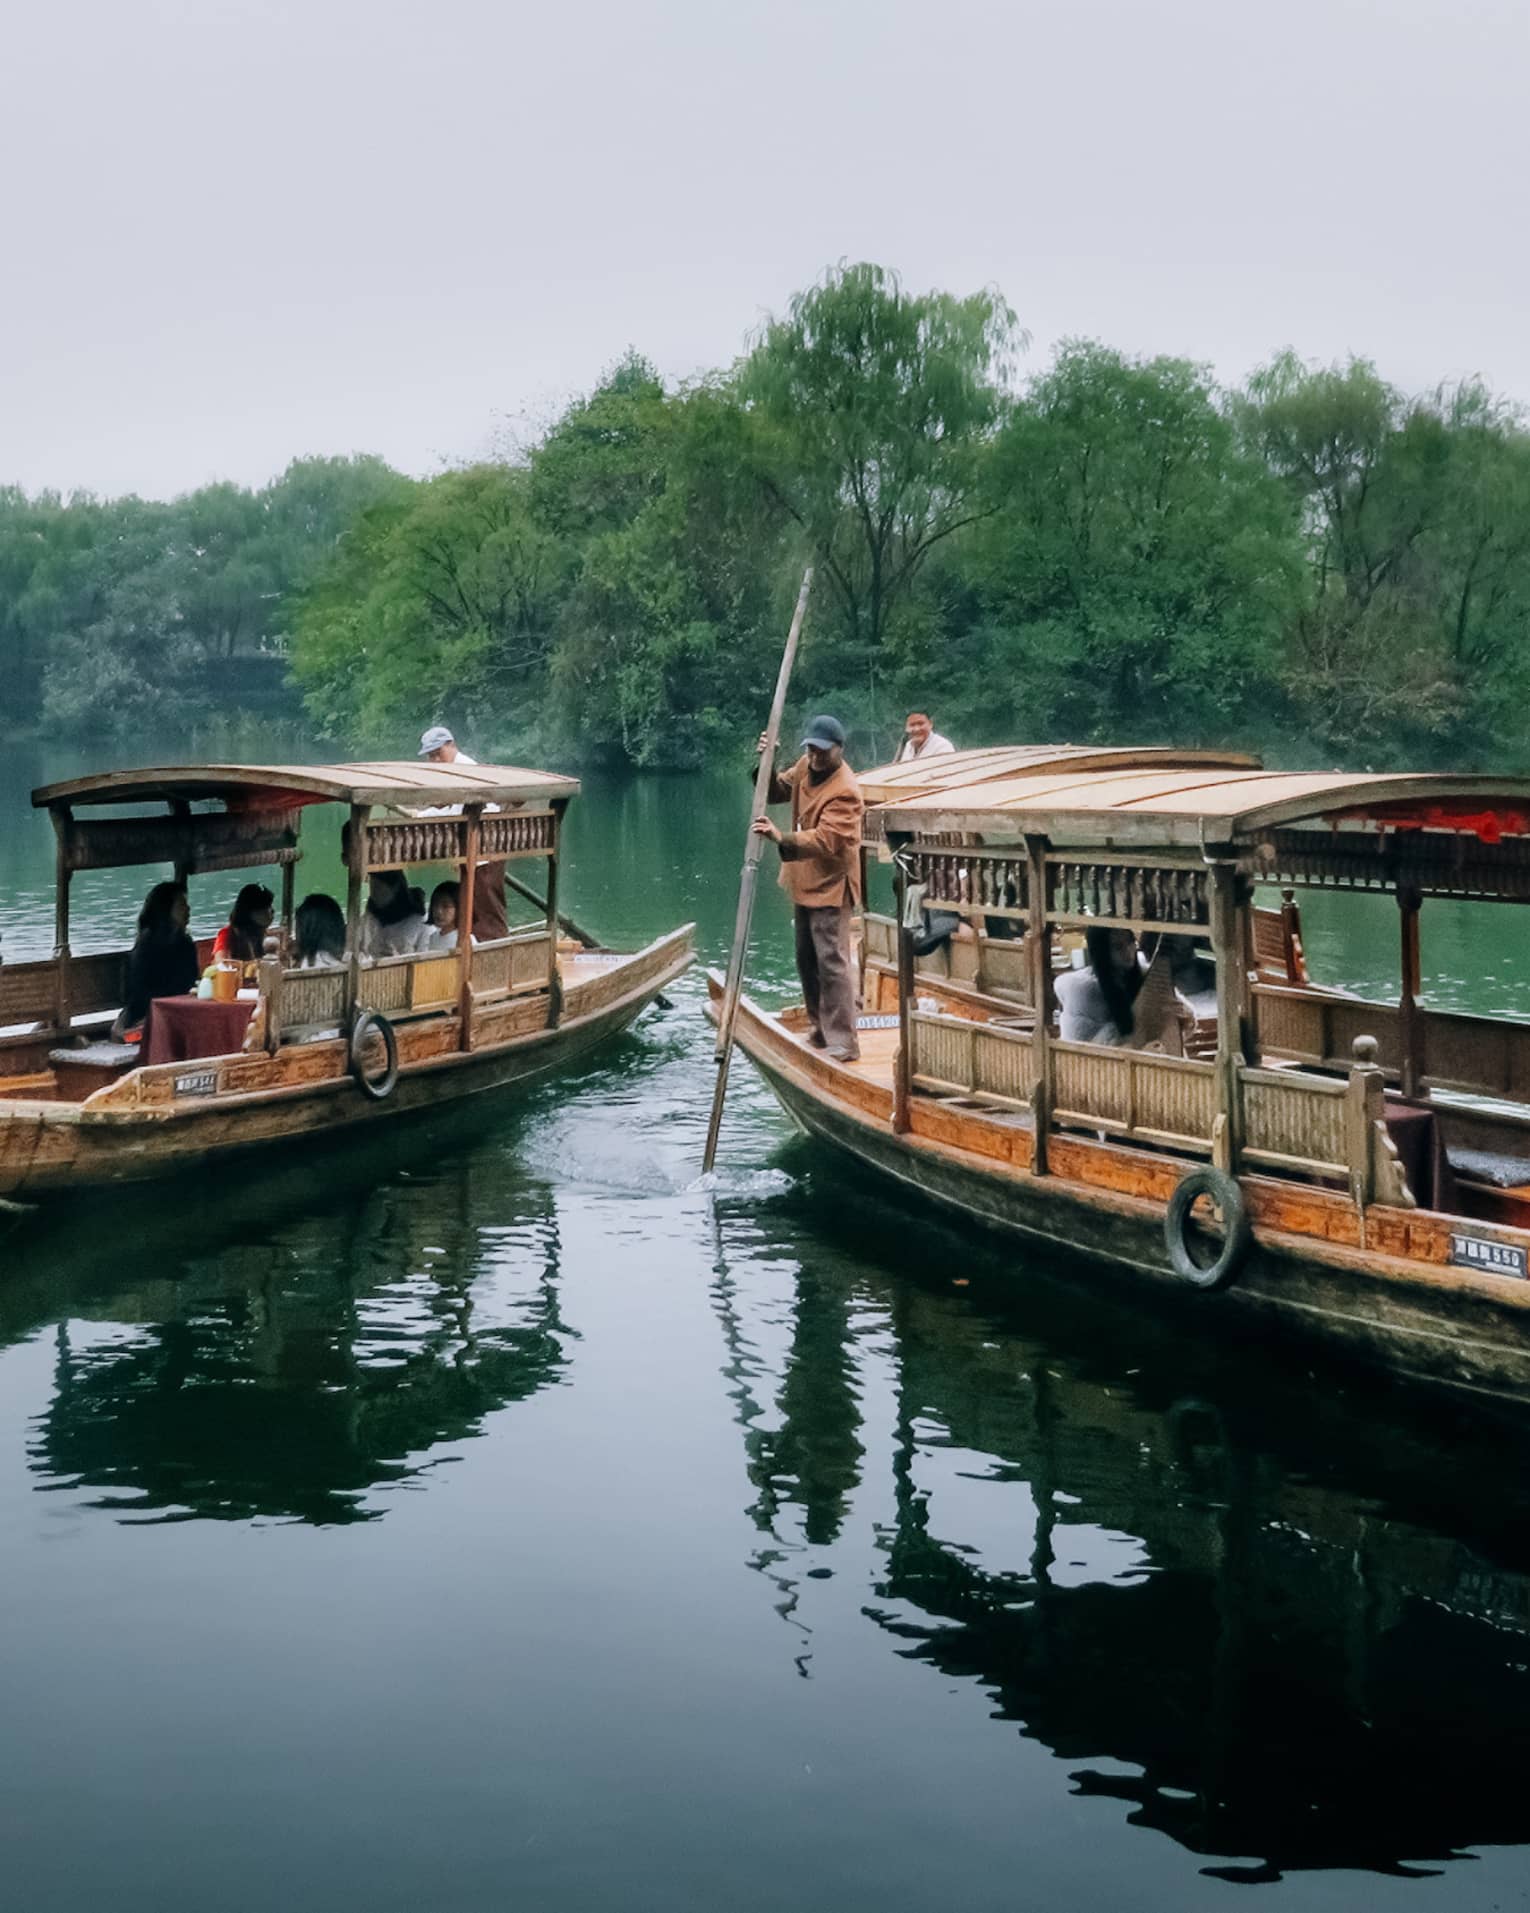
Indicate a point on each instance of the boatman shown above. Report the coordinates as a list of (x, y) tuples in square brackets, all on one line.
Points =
[(921, 739), (491, 918), (821, 873)]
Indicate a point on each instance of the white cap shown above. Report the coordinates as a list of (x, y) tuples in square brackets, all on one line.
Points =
[(434, 738)]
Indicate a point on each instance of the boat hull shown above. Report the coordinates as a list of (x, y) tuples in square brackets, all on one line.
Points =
[(1466, 1334), (49, 1148)]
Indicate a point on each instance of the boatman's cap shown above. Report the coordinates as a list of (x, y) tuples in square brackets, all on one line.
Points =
[(434, 738), (823, 734)]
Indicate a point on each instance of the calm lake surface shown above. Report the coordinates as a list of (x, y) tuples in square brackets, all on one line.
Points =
[(488, 1517)]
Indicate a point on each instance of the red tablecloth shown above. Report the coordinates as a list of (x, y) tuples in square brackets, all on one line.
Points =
[(181, 1028)]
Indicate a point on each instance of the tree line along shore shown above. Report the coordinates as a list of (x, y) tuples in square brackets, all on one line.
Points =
[(1094, 547)]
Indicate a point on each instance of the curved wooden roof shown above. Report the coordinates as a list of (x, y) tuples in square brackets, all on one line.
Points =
[(409, 784), (1189, 806), (955, 770)]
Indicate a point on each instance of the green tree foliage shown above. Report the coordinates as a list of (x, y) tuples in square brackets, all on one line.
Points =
[(1132, 576), (872, 410), (440, 603), (1416, 537), (116, 612), (1318, 565)]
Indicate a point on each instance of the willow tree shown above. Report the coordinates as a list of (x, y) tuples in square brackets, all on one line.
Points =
[(872, 409)]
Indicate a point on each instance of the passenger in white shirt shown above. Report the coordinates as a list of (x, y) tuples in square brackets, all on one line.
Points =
[(921, 739)]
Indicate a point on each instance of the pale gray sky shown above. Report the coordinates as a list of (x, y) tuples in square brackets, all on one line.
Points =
[(240, 230)]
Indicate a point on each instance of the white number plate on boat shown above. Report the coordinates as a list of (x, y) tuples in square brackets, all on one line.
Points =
[(203, 1083), (1496, 1258)]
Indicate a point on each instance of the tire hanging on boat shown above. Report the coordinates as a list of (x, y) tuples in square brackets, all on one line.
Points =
[(1227, 1199), (379, 1088)]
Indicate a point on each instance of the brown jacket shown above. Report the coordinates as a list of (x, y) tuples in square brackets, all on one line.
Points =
[(821, 853)]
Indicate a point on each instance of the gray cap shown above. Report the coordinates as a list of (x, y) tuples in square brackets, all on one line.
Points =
[(434, 738), (824, 733)]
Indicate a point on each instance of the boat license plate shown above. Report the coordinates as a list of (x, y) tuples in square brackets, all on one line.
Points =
[(1493, 1258), (203, 1082)]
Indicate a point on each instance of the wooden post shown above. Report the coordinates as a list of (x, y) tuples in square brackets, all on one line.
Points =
[(180, 810), (271, 997), (355, 887), (289, 885), (1041, 996), (1410, 1024), (903, 1061), (554, 978), (1364, 1101), (62, 819), (1227, 946), (466, 891)]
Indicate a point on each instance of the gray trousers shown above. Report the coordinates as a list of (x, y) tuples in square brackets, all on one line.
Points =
[(828, 975)]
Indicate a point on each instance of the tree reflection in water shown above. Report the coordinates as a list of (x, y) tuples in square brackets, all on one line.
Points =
[(293, 1377), (1287, 1623)]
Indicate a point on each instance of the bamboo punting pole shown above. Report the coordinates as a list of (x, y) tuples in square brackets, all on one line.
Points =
[(748, 881)]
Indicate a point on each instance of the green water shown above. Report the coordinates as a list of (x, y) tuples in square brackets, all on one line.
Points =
[(484, 1516)]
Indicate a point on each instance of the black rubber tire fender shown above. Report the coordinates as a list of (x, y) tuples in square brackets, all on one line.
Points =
[(379, 1088), (1225, 1196)]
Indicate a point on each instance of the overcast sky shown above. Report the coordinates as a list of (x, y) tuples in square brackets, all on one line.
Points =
[(237, 231)]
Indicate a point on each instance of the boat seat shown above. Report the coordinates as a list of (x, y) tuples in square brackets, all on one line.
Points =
[(1487, 1165), (99, 1055)]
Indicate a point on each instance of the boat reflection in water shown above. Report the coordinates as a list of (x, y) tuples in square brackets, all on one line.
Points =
[(294, 1377), (1284, 1646)]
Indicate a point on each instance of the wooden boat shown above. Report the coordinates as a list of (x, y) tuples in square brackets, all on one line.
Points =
[(1355, 1173), (337, 1047)]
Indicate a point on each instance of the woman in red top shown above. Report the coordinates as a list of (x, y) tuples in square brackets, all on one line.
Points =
[(243, 938)]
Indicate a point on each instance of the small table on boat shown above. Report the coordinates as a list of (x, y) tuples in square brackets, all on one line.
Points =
[(181, 1028)]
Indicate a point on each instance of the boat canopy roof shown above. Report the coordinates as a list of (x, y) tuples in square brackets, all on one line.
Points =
[(409, 784), (1163, 808), (958, 770)]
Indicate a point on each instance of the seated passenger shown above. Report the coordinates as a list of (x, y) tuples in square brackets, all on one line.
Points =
[(162, 961), (243, 938), (444, 903), (1097, 1003), (319, 933), (394, 922)]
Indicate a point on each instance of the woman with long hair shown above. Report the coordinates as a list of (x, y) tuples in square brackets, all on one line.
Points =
[(243, 938), (163, 959), (1096, 1001), (318, 933), (394, 921)]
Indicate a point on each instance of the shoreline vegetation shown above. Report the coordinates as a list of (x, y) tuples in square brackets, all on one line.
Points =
[(1099, 547)]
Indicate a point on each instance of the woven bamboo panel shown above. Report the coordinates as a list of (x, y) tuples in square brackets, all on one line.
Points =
[(27, 991), (1298, 1120), (1088, 1081), (1003, 1064), (385, 985), (1167, 1099), (491, 969), (530, 961), (941, 1052), (312, 996), (1005, 966)]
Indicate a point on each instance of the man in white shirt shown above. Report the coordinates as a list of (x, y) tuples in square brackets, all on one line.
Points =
[(921, 739), (440, 747), (490, 920)]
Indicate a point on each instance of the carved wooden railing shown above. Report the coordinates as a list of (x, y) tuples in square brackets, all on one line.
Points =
[(442, 840), (1170, 1100), (1483, 1055), (985, 1060)]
